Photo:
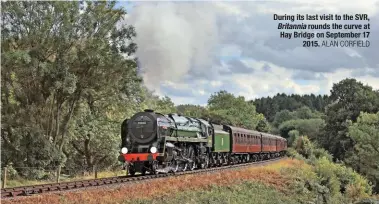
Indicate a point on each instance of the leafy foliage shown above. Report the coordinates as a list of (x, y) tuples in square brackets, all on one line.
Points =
[(269, 107), (350, 98), (310, 127), (192, 110), (335, 183), (364, 157), (64, 67), (234, 109)]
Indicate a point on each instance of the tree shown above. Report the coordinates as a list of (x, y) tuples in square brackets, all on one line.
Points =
[(263, 126), (364, 156), (271, 106), (234, 109), (309, 127), (192, 110), (165, 105), (304, 113), (59, 58), (293, 136), (350, 98), (282, 116)]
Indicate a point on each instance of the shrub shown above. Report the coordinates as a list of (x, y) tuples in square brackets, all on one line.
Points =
[(341, 183)]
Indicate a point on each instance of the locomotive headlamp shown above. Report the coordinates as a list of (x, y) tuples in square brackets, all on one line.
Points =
[(153, 150), (124, 150)]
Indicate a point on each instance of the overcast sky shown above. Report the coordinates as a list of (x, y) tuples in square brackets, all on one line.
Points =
[(189, 50)]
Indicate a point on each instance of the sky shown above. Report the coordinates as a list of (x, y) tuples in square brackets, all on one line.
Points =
[(190, 50)]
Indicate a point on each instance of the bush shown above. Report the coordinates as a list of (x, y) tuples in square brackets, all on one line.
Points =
[(293, 136), (320, 153), (341, 183)]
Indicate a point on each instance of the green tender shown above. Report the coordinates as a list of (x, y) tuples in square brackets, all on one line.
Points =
[(221, 142)]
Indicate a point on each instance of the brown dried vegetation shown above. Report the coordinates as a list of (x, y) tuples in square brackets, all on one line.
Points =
[(269, 175)]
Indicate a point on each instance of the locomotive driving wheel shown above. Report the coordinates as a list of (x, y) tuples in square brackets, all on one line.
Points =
[(154, 168), (132, 170), (214, 160), (183, 166), (143, 171), (204, 162), (174, 165), (191, 156)]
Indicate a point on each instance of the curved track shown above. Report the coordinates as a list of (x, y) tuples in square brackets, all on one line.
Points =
[(47, 188)]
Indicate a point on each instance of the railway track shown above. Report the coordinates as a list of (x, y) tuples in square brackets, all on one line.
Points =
[(47, 188)]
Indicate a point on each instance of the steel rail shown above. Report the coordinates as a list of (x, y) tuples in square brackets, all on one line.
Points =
[(47, 188)]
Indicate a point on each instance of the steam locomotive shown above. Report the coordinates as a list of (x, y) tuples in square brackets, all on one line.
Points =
[(156, 143)]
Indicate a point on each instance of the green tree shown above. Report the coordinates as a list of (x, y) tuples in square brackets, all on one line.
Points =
[(365, 135), (192, 110), (165, 105), (350, 98), (282, 116), (271, 106), (293, 135), (59, 58), (263, 126), (234, 109), (304, 113), (310, 127)]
